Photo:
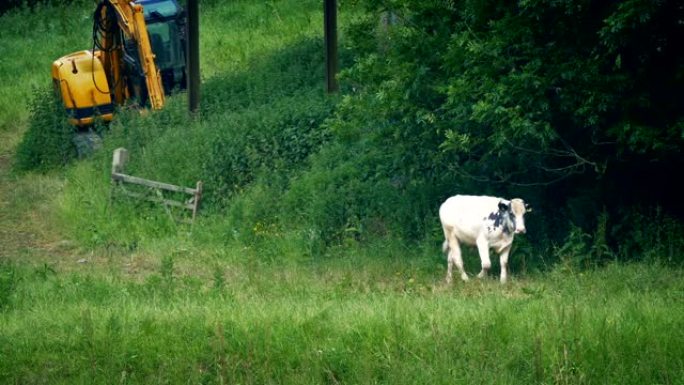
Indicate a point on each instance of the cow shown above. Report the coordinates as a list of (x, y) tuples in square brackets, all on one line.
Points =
[(482, 221)]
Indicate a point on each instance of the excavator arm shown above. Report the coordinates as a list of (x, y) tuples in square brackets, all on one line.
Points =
[(131, 21)]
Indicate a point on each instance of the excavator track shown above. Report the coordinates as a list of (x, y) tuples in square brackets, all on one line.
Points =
[(87, 143)]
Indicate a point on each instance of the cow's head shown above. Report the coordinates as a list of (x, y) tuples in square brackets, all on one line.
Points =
[(515, 210)]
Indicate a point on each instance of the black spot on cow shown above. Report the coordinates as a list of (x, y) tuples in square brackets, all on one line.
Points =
[(497, 217), (500, 219)]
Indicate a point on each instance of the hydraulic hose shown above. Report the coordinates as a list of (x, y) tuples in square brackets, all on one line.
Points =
[(105, 32)]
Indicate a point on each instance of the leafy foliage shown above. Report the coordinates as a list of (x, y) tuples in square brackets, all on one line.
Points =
[(558, 102), (9, 5), (271, 140), (48, 142)]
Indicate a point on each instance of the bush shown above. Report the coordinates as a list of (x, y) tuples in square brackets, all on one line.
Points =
[(48, 142), (273, 141), (649, 234)]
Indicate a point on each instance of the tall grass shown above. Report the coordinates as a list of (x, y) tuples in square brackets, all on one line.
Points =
[(30, 40), (328, 322)]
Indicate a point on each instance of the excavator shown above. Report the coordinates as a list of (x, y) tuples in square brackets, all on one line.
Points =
[(138, 57)]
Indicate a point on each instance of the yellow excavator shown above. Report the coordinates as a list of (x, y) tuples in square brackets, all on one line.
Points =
[(138, 56)]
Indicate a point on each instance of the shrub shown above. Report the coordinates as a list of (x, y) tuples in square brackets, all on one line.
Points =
[(48, 142), (272, 140)]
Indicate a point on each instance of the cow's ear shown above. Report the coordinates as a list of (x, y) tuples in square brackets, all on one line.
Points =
[(528, 208), (503, 206)]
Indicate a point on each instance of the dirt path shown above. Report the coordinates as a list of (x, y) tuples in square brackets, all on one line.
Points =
[(10, 236)]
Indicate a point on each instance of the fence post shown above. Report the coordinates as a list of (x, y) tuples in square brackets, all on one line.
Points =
[(197, 197), (119, 160)]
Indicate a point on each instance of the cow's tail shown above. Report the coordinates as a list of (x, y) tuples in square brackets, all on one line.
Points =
[(445, 247)]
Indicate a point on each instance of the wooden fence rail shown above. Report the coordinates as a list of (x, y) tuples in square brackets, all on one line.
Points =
[(119, 159)]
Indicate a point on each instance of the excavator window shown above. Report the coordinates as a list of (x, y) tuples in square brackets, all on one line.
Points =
[(165, 46), (164, 20), (159, 8)]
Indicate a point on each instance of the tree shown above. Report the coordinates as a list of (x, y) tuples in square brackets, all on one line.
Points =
[(560, 100)]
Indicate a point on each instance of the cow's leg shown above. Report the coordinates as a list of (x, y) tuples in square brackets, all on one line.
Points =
[(455, 258), (483, 249), (445, 249), (503, 261), (450, 264)]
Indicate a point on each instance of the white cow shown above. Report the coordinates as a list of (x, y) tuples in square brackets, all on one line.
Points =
[(482, 221)]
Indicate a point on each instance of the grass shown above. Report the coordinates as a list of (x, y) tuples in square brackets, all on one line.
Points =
[(29, 52), (89, 295), (357, 320)]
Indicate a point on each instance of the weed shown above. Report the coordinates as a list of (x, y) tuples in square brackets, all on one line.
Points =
[(48, 142), (166, 269), (9, 280), (219, 278)]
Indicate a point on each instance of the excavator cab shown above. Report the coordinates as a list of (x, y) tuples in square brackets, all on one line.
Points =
[(165, 20)]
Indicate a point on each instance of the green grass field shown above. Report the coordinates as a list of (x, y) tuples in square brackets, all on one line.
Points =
[(353, 320), (90, 295)]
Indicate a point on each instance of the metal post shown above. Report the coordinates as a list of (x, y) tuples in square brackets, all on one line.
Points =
[(330, 34), (193, 56)]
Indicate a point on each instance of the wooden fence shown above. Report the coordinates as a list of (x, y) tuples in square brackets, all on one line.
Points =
[(119, 179)]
